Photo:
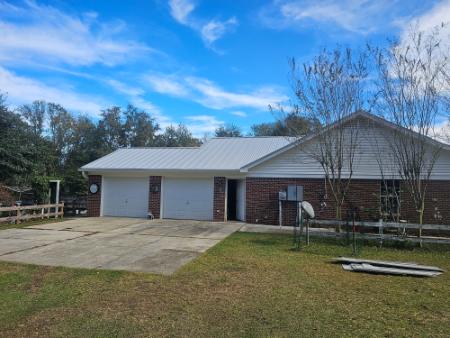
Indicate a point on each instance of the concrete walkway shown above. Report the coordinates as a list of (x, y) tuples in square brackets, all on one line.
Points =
[(157, 246)]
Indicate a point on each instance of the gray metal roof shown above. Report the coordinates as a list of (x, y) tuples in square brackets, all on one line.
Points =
[(227, 153)]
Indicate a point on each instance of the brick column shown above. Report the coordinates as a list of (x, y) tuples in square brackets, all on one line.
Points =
[(219, 199), (94, 200), (154, 200)]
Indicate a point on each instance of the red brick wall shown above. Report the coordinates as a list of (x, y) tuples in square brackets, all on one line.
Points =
[(154, 201), (94, 200), (262, 200), (219, 199), (437, 204)]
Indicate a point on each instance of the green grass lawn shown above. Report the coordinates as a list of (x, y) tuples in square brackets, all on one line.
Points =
[(250, 285)]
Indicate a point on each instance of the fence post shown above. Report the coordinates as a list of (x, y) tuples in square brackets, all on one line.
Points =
[(380, 231), (18, 215)]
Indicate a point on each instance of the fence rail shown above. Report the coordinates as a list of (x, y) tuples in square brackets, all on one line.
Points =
[(22, 213), (381, 224)]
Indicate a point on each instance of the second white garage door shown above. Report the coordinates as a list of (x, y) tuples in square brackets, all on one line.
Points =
[(126, 197), (188, 198)]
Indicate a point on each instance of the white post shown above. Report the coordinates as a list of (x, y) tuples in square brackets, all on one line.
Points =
[(280, 214), (57, 191)]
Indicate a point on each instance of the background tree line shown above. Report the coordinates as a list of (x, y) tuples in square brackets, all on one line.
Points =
[(43, 140)]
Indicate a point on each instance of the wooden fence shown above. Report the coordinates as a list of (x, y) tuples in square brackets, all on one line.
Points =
[(381, 227), (23, 213)]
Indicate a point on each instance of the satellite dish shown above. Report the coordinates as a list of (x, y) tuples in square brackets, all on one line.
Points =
[(308, 209)]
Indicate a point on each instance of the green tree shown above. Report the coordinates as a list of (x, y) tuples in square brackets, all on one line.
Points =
[(25, 156), (61, 124), (178, 136), (139, 128), (86, 147), (291, 124), (229, 130), (35, 115), (112, 130)]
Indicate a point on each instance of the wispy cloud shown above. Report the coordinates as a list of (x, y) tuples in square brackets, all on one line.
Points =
[(215, 29), (216, 97), (435, 16), (33, 33), (239, 113), (166, 84), (427, 21), (356, 16), (181, 9), (22, 90), (136, 96), (432, 24), (209, 30), (201, 125), (211, 95), (124, 88)]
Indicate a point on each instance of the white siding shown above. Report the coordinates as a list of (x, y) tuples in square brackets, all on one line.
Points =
[(298, 161)]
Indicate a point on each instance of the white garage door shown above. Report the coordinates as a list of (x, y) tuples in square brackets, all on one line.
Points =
[(188, 198), (127, 197)]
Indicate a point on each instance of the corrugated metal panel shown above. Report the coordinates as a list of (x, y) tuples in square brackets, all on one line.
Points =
[(299, 161), (216, 154)]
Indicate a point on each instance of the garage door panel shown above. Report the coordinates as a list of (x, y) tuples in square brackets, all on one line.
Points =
[(188, 198), (127, 197)]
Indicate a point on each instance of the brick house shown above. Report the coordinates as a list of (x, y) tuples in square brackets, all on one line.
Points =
[(240, 179)]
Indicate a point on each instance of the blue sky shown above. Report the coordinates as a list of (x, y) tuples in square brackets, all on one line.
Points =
[(201, 63)]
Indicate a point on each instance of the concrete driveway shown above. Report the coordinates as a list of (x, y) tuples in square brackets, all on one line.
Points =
[(157, 246)]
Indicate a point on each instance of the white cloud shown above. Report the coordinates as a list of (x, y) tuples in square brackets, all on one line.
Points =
[(438, 14), (356, 16), (213, 96), (180, 10), (441, 132), (428, 21), (36, 33), (239, 113), (215, 29), (210, 95), (125, 89), (434, 25), (21, 90), (200, 125), (210, 30), (166, 84)]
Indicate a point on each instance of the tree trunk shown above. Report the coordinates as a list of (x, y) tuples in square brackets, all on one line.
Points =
[(338, 217), (421, 212)]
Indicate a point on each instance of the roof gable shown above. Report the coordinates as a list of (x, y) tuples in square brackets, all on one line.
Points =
[(359, 114)]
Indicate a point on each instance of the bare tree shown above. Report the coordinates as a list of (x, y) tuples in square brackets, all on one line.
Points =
[(328, 90), (412, 82)]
